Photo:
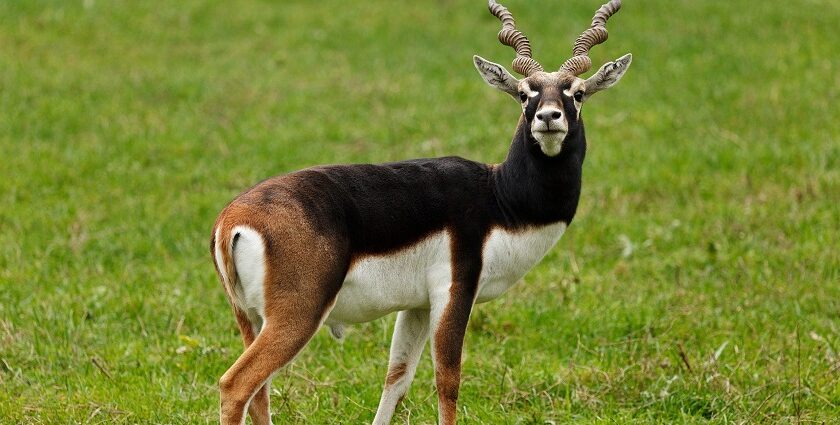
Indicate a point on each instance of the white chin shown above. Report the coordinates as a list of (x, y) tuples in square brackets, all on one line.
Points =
[(550, 144)]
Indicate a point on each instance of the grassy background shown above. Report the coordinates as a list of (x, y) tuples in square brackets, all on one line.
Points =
[(699, 283)]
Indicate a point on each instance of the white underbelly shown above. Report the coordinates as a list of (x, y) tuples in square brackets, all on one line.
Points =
[(378, 285)]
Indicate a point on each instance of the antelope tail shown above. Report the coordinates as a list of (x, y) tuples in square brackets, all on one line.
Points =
[(221, 248)]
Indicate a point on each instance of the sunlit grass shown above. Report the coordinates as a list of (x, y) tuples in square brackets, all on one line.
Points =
[(699, 282)]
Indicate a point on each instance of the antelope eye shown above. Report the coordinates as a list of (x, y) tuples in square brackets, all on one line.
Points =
[(522, 96), (579, 95)]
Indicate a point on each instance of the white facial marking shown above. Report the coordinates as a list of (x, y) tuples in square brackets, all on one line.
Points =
[(550, 146), (550, 124), (527, 89), (578, 85), (548, 130)]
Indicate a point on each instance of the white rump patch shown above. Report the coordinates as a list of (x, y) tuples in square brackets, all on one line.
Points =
[(249, 258)]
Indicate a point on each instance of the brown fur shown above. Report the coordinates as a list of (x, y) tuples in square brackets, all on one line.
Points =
[(259, 406), (449, 343), (395, 373), (450, 332), (303, 274), (550, 79)]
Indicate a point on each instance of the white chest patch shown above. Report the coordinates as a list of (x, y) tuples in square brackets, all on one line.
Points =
[(509, 255)]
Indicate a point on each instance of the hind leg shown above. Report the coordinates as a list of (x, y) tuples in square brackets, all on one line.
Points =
[(275, 346), (258, 408), (295, 308)]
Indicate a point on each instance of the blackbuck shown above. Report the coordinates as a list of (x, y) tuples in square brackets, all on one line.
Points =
[(427, 238)]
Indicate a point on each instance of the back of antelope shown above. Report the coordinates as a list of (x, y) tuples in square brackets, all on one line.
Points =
[(427, 238)]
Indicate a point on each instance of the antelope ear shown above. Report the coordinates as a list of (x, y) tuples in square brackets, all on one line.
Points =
[(496, 76), (608, 75)]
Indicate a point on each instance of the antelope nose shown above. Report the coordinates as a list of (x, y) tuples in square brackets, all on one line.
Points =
[(549, 114)]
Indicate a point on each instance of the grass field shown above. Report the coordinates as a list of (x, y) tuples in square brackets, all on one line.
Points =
[(699, 282)]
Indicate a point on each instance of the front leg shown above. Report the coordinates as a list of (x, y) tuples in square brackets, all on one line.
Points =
[(410, 334), (450, 313)]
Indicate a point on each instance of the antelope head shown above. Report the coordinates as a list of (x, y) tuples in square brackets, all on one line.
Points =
[(551, 101)]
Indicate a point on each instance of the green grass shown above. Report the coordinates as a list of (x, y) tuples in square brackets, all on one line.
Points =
[(699, 283)]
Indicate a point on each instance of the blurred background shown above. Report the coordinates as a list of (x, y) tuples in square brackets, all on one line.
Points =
[(699, 282)]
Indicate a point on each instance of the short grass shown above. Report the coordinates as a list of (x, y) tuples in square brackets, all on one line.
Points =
[(699, 283)]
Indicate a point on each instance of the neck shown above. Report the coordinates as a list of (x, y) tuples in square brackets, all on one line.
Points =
[(534, 189)]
